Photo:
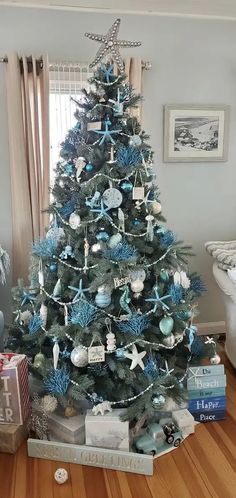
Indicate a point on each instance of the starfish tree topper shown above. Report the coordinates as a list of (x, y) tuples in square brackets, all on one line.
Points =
[(110, 44)]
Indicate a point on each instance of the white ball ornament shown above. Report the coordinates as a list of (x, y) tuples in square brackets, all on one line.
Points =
[(156, 207), (215, 360), (79, 357), (137, 286), (61, 476), (25, 317)]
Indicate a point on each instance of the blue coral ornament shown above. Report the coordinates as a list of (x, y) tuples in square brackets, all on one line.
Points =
[(57, 381)]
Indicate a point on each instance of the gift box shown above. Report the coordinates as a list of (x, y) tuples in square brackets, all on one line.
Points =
[(107, 431), (11, 437), (14, 389), (66, 430), (184, 420)]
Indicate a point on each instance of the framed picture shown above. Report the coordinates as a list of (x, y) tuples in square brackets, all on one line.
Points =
[(196, 133)]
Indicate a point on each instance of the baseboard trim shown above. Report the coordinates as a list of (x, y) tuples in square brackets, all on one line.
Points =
[(208, 328)]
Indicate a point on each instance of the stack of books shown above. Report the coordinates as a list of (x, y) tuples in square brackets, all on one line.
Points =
[(206, 392)]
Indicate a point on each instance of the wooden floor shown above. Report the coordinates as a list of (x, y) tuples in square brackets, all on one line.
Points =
[(203, 466)]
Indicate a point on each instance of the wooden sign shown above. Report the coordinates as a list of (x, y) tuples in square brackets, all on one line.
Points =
[(94, 457), (206, 390), (118, 282), (96, 354)]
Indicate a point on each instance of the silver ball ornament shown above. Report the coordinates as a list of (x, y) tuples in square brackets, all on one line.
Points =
[(79, 357), (156, 207), (215, 360), (61, 476)]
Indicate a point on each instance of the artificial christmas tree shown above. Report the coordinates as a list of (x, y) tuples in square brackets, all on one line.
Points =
[(108, 314)]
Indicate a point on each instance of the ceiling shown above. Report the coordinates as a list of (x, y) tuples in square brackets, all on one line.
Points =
[(218, 9)]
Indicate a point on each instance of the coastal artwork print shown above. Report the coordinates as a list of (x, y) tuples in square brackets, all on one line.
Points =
[(195, 133)]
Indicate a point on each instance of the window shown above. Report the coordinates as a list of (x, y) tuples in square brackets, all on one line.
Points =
[(66, 81)]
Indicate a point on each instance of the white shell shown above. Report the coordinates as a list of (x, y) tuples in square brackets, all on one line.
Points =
[(137, 286), (181, 278), (114, 240), (43, 314), (79, 356), (55, 353), (61, 476), (169, 340), (74, 221), (156, 207)]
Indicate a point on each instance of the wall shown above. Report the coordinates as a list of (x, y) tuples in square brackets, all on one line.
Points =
[(193, 62)]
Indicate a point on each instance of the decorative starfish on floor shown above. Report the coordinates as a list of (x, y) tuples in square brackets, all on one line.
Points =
[(102, 210), (106, 134), (110, 44), (158, 300), (137, 358), (79, 290)]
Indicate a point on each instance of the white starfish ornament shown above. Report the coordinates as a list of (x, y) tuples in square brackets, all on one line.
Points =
[(110, 44), (137, 358)]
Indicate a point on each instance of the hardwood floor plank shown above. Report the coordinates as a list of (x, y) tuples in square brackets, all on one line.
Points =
[(124, 485), (77, 481), (94, 482), (112, 484), (167, 468), (138, 486)]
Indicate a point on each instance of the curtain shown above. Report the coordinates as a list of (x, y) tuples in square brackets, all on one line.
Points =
[(28, 123)]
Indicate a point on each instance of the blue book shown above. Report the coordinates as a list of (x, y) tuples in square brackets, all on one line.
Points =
[(207, 404), (209, 416), (206, 370), (206, 382), (206, 393)]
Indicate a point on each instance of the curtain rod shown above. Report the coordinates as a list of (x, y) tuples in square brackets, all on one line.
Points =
[(145, 64)]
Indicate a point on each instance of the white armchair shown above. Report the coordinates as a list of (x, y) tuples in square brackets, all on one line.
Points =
[(228, 291)]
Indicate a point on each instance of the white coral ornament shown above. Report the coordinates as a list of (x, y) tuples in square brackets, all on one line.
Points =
[(101, 408), (49, 403), (181, 278)]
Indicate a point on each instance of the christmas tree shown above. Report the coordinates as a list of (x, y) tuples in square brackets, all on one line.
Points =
[(109, 310)]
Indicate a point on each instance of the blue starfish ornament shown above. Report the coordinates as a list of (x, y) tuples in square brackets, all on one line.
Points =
[(158, 300), (107, 134), (102, 210), (107, 71), (27, 297), (79, 290)]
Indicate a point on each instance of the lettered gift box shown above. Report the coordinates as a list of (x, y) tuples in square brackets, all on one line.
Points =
[(14, 389), (107, 431)]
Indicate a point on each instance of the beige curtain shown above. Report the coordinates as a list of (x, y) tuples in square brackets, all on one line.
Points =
[(134, 72), (28, 122)]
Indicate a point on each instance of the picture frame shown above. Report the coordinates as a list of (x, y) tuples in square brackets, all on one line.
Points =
[(196, 133)]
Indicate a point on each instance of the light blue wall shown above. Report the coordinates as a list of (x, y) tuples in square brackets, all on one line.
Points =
[(194, 61)]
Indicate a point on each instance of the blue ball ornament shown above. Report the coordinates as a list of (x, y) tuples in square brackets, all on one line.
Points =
[(89, 167), (103, 299), (102, 235), (136, 222), (158, 401), (53, 267), (126, 186)]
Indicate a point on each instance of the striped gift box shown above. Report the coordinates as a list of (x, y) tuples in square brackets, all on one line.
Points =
[(14, 389)]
